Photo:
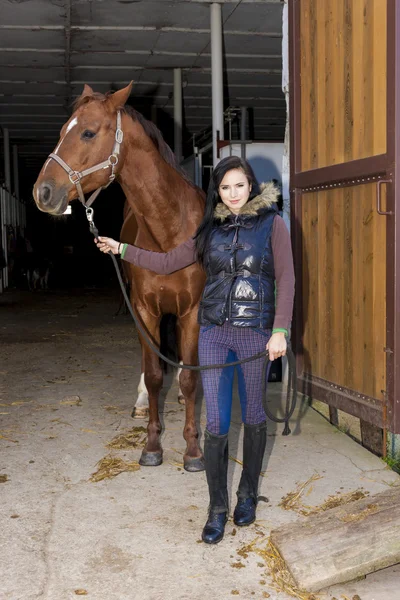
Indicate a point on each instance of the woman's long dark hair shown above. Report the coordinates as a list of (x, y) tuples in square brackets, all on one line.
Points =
[(226, 164)]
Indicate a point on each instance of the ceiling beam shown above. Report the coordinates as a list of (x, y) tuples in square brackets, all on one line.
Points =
[(190, 30), (134, 52)]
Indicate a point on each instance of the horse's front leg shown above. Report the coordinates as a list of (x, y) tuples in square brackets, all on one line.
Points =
[(153, 379), (193, 459)]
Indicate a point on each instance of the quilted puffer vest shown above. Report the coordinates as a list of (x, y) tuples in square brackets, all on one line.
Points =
[(240, 286)]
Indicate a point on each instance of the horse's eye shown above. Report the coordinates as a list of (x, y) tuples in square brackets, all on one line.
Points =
[(88, 135)]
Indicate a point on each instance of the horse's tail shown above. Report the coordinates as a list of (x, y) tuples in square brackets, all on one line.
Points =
[(169, 340)]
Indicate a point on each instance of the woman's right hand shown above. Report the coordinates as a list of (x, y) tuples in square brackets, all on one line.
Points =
[(105, 244)]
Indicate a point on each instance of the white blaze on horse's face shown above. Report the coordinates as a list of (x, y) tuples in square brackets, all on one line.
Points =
[(70, 126)]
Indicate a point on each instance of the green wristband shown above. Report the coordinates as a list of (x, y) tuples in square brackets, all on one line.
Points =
[(279, 330), (124, 250)]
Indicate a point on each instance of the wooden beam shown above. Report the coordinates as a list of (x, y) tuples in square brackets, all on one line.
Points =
[(343, 543)]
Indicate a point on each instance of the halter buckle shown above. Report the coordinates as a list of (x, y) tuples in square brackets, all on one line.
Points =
[(75, 177), (119, 136), (113, 162), (89, 214)]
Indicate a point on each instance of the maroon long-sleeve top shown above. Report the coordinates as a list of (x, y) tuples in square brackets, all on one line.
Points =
[(165, 263)]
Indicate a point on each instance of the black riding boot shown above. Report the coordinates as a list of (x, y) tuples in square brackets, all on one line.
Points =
[(216, 462), (254, 442)]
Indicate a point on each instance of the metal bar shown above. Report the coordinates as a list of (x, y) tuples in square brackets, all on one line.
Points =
[(178, 114), (297, 244), (361, 406), (16, 171), (7, 164), (3, 203), (393, 224), (157, 68), (200, 172), (378, 198), (354, 169), (295, 195), (137, 28), (333, 416), (243, 128), (2, 245), (216, 78)]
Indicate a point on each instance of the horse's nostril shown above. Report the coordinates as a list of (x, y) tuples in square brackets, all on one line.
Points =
[(45, 193)]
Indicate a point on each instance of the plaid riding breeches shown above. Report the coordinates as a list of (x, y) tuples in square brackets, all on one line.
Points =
[(224, 344)]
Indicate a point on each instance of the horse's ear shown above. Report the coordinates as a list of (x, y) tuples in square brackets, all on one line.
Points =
[(87, 91), (118, 99)]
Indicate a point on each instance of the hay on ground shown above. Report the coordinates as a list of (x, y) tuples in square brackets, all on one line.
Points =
[(280, 574), (277, 570), (292, 500), (111, 466), (134, 438)]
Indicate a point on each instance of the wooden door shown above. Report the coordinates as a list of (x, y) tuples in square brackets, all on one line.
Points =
[(343, 68)]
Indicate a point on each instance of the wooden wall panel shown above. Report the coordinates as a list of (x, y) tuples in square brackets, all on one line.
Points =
[(344, 288), (343, 81)]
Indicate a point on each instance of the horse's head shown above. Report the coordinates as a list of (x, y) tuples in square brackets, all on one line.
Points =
[(88, 139)]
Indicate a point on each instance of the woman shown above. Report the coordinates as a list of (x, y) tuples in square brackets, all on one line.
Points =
[(244, 247)]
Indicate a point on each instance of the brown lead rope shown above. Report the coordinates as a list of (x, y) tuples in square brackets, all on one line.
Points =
[(292, 383)]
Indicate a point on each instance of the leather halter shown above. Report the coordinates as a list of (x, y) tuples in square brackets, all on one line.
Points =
[(112, 161)]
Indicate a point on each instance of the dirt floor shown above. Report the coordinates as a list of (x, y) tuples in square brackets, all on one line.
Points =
[(69, 369)]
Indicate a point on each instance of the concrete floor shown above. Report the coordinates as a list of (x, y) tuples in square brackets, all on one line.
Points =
[(136, 536)]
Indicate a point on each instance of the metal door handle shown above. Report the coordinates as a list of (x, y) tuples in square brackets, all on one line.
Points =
[(378, 197)]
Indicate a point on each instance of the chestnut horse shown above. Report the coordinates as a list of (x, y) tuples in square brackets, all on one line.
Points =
[(168, 209)]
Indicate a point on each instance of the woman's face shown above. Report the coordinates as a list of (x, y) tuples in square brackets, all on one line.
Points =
[(234, 190)]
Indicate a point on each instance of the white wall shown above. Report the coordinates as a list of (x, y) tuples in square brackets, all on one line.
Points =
[(265, 158)]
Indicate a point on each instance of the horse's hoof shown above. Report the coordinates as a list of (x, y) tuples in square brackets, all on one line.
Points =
[(140, 412), (181, 400), (194, 465), (150, 459)]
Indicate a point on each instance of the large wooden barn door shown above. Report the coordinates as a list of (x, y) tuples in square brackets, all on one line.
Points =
[(343, 168)]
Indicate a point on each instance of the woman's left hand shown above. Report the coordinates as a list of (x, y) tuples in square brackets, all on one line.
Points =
[(277, 345)]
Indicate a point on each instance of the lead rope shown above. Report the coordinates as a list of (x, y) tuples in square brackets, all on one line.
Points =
[(292, 382)]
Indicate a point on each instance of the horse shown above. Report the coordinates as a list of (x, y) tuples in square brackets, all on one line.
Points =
[(167, 207)]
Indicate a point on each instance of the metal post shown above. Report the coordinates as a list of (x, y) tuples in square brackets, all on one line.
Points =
[(15, 170), (16, 200), (178, 114), (3, 235), (217, 79), (243, 127), (6, 200), (7, 165)]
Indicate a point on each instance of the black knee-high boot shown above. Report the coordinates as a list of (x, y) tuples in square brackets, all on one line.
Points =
[(216, 462), (254, 442)]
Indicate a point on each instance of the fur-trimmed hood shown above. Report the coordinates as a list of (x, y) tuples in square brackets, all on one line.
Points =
[(265, 200)]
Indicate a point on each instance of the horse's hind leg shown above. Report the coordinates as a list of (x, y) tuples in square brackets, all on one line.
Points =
[(193, 459), (181, 396), (153, 378), (141, 408)]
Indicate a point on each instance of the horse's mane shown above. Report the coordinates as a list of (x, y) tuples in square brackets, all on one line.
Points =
[(150, 130)]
